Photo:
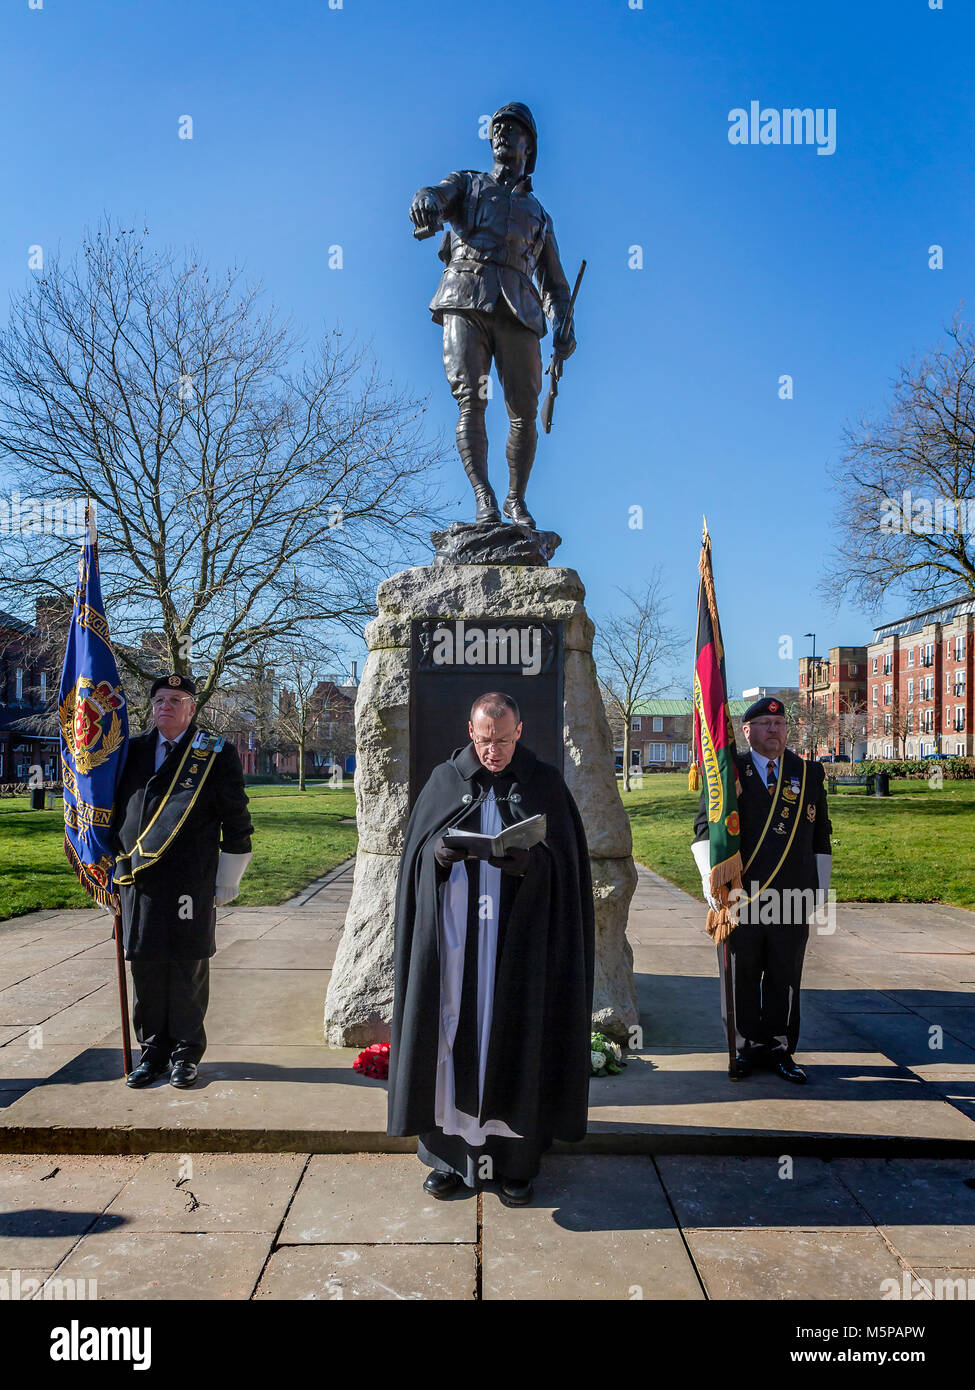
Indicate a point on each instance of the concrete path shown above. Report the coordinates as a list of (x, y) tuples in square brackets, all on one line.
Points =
[(888, 1038), (358, 1226), (274, 1179)]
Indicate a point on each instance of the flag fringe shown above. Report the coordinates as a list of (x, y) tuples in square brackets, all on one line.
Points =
[(725, 877), (101, 895)]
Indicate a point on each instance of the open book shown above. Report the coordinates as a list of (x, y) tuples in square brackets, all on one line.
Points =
[(522, 835)]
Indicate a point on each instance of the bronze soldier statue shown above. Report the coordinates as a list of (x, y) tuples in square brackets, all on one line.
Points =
[(500, 239)]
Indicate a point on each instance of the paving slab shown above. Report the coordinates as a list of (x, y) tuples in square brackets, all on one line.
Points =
[(375, 1199), (598, 1228), (339, 1272), (688, 1093), (907, 1038), (273, 1099), (146, 1265), (280, 953), (22, 1285), (47, 1203), (946, 1284), (23, 1064), (793, 1264), (34, 1002), (206, 1192), (86, 1023), (264, 1007), (770, 1192), (926, 1211)]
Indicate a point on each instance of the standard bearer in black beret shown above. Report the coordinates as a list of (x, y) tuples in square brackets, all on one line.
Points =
[(787, 862)]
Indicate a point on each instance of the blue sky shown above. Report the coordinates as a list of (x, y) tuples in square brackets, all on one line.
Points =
[(314, 126)]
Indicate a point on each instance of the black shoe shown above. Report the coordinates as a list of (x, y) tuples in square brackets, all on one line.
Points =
[(441, 1184), (787, 1068), (145, 1073), (517, 1192), (184, 1075), (739, 1068)]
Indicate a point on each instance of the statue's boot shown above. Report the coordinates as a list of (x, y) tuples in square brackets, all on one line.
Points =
[(514, 503), (472, 447), (487, 502)]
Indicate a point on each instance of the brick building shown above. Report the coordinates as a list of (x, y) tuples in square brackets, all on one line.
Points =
[(30, 670), (920, 677), (833, 702), (662, 734)]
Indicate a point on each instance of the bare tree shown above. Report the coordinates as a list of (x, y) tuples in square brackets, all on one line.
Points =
[(301, 671), (635, 651), (906, 483), (246, 490), (851, 726)]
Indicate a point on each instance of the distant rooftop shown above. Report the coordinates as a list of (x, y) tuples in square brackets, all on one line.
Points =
[(915, 622), (686, 706)]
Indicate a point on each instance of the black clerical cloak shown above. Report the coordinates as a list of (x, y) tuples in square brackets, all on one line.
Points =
[(537, 1070)]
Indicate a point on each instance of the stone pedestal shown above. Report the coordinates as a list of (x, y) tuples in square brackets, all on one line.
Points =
[(358, 1007)]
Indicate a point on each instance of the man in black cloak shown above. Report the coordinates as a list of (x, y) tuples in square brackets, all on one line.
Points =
[(489, 1054)]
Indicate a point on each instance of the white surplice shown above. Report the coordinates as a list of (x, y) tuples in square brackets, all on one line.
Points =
[(453, 939)]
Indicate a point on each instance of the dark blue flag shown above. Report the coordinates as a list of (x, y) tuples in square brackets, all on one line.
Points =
[(94, 731)]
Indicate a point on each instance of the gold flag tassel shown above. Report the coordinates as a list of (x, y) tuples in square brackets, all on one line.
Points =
[(725, 877), (693, 778)]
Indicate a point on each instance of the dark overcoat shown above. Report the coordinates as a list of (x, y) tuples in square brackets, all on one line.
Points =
[(167, 913), (537, 1068)]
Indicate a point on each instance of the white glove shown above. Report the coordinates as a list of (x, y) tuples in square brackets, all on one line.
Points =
[(824, 872), (230, 870), (701, 850)]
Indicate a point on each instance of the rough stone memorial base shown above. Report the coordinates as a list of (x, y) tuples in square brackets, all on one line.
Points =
[(358, 1007)]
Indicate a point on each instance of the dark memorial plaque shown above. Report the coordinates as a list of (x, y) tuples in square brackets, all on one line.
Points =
[(455, 660)]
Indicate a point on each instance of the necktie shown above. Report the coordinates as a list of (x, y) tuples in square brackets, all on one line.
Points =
[(770, 777), (168, 747)]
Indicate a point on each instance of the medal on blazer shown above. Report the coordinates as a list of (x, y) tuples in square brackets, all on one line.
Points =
[(171, 813)]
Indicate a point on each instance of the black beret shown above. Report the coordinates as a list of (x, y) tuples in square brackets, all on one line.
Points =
[(174, 681), (766, 706)]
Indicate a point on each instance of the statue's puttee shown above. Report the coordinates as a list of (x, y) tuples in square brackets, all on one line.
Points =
[(500, 241)]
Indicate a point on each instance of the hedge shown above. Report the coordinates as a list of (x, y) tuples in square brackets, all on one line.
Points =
[(952, 769)]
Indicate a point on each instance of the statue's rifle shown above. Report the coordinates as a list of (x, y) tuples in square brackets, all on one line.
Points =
[(558, 356)]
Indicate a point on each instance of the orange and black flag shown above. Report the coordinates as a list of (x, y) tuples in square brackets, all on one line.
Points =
[(714, 744)]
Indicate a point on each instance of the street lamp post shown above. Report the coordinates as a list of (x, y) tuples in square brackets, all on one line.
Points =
[(812, 694)]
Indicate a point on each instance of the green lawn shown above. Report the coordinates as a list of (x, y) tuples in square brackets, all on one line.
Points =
[(298, 836), (917, 845)]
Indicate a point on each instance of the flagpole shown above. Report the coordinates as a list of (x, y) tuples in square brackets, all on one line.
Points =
[(729, 993), (91, 535), (123, 996)]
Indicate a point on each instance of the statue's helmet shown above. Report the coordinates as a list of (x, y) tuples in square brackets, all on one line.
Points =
[(519, 112)]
